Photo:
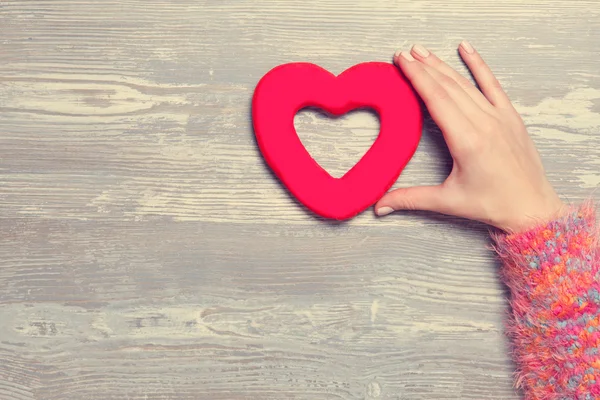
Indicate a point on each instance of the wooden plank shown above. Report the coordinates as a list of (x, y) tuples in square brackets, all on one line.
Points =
[(148, 253)]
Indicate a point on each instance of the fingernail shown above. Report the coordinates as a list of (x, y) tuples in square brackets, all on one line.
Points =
[(384, 211), (397, 54), (467, 47), (407, 56), (420, 50)]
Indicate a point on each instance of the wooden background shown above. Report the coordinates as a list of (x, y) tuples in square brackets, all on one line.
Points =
[(147, 253)]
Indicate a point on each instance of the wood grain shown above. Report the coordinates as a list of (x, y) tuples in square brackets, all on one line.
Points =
[(147, 252)]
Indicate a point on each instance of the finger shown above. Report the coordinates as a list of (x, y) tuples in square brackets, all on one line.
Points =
[(443, 109), (486, 80), (433, 61), (469, 107), (423, 198)]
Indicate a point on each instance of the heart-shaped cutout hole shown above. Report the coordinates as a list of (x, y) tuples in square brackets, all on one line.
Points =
[(337, 143)]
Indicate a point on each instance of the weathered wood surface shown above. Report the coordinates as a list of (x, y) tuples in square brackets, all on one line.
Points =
[(147, 253)]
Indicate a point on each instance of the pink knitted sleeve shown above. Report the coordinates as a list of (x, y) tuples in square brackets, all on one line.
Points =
[(553, 273)]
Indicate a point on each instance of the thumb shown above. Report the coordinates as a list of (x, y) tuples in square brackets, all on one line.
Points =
[(423, 198)]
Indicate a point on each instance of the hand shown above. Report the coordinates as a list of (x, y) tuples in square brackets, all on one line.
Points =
[(497, 175)]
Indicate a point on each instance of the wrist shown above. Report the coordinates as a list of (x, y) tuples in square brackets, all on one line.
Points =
[(540, 214)]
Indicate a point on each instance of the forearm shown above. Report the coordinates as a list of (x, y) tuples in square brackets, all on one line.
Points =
[(552, 272)]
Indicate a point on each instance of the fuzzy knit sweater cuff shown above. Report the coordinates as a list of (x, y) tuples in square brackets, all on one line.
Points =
[(553, 274)]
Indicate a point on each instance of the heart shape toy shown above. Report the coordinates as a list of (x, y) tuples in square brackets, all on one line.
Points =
[(288, 88)]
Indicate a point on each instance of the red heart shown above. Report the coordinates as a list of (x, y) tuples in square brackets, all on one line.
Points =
[(288, 88)]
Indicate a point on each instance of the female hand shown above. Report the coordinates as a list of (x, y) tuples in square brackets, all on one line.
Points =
[(497, 176)]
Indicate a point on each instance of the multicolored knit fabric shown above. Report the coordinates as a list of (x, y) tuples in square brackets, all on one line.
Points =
[(553, 272)]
